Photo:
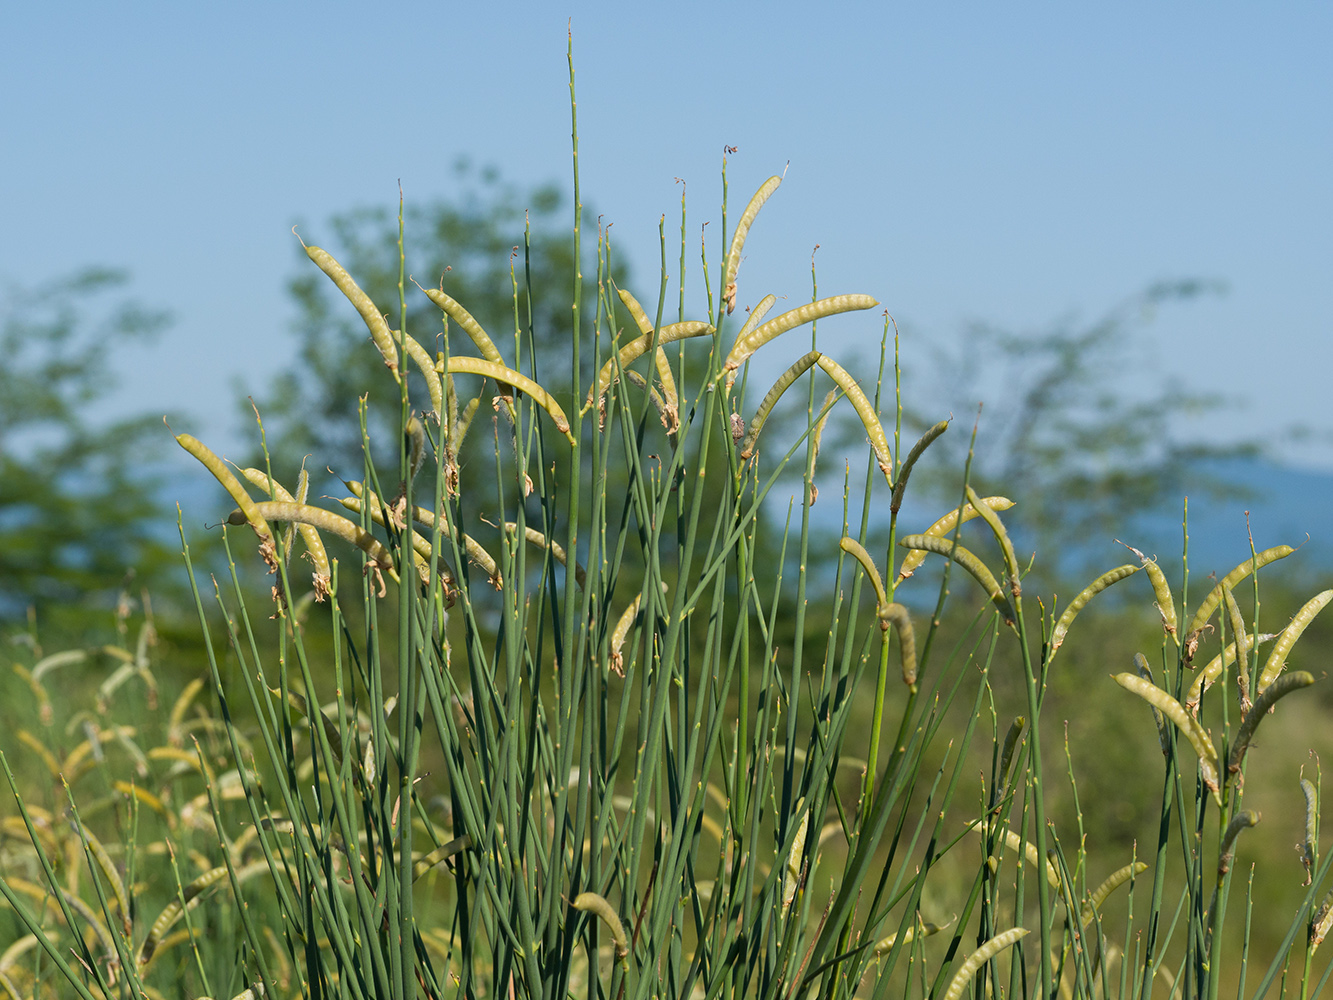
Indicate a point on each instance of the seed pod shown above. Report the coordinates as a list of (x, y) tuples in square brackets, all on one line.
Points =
[(1084, 596), (1242, 821), (791, 877), (459, 365), (324, 520), (945, 526), (1173, 710), (442, 853), (539, 540), (979, 958), (1007, 752), (470, 326), (1214, 598), (620, 633), (879, 441), (1115, 881), (1280, 688), (591, 902), (926, 440), (1322, 922), (1310, 844), (738, 238), (1206, 677), (808, 313), (1277, 659), (753, 320), (374, 319), (1018, 845), (897, 615), (671, 405), (969, 561), (1237, 624), (784, 382), (993, 522), (638, 347), (885, 945), (857, 551), (1163, 737), (314, 545), (1166, 605), (233, 487)]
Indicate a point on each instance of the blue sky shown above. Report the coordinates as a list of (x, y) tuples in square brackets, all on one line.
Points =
[(1012, 163)]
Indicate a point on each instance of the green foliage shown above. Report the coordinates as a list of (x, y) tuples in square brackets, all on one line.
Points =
[(77, 493)]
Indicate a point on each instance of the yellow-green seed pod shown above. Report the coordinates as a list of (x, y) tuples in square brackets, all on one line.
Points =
[(945, 526), (593, 903), (909, 463), (1022, 848), (670, 408), (1186, 723), (1163, 736), (1322, 922), (1084, 596), (752, 321), (783, 383), (1277, 659), (969, 561), (470, 326), (237, 492), (374, 319), (537, 539), (791, 876), (1206, 677), (472, 366), (1115, 881), (1214, 598), (1310, 843), (314, 545), (979, 958), (921, 928), (993, 522), (441, 854), (879, 441), (858, 552), (738, 238), (325, 520), (897, 615), (808, 313), (620, 633), (1280, 688), (639, 346), (1166, 605), (1237, 625), (1242, 821)]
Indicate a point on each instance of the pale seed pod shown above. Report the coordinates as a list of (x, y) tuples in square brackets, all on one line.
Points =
[(879, 441), (1186, 723), (979, 958), (791, 876), (233, 487), (593, 903), (1084, 596), (925, 441), (1114, 882), (464, 319), (738, 238), (109, 872), (858, 551), (808, 313), (1237, 625), (539, 540), (897, 615), (670, 408), (670, 418), (926, 929), (1268, 697), (473, 366), (993, 522), (1019, 846), (817, 435), (1007, 751), (374, 319), (1277, 659), (1214, 598), (1310, 842), (783, 383), (969, 561), (324, 520), (1206, 677), (464, 422), (945, 526), (314, 545), (421, 357), (621, 632), (173, 910), (753, 320), (639, 346), (1166, 605), (1322, 922), (442, 853)]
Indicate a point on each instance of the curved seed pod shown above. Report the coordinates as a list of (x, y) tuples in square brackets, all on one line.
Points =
[(176, 720), (896, 615), (1166, 605), (557, 550), (1237, 624), (926, 440), (1280, 688), (464, 422), (784, 382), (619, 634), (1242, 821), (442, 853), (1163, 737), (885, 945), (1206, 677), (817, 435), (173, 910), (413, 349), (791, 877), (233, 487), (1322, 922), (670, 418), (857, 551), (325, 520), (879, 441), (1277, 659), (1214, 598), (374, 319), (109, 871), (738, 238), (299, 703), (979, 958), (753, 320), (1084, 596), (314, 545), (464, 319), (945, 526), (593, 903), (1018, 845), (415, 432), (1007, 752), (791, 319), (1173, 710), (1311, 841), (993, 522), (489, 369), (1114, 882), (966, 559), (671, 407), (638, 347), (420, 545)]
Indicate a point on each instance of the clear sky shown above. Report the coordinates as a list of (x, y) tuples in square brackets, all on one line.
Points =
[(1009, 162)]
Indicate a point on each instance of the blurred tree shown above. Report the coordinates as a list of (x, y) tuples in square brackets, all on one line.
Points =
[(467, 246), (77, 494), (1085, 444)]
